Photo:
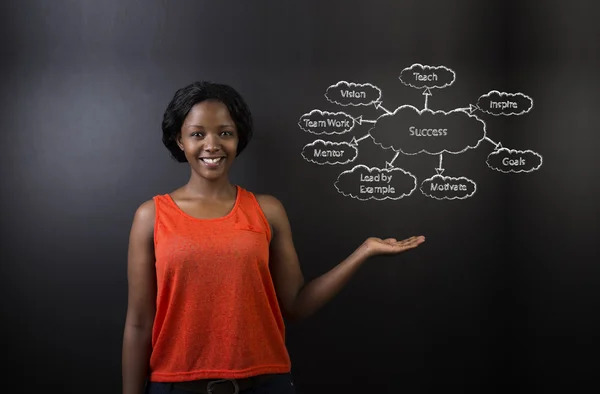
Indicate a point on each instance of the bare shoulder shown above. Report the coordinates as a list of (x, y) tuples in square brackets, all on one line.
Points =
[(272, 207), (143, 220), (146, 211)]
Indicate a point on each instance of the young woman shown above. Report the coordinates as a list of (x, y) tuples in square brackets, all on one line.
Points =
[(212, 268)]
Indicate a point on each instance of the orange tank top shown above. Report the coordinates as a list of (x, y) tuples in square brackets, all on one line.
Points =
[(217, 314)]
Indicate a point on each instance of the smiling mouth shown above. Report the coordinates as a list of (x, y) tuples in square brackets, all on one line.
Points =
[(215, 161)]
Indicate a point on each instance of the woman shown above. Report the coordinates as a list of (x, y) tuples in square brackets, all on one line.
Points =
[(212, 267)]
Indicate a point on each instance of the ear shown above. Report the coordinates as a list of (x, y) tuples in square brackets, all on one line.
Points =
[(178, 140)]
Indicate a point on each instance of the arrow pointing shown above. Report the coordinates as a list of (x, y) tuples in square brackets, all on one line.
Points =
[(426, 93), (379, 106), (354, 141), (389, 164), (440, 169), (470, 109), (360, 120), (498, 145)]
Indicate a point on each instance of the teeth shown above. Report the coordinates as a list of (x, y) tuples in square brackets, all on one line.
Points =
[(212, 161)]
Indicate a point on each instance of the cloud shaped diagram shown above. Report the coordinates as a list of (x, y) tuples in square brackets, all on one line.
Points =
[(411, 131), (365, 183), (513, 160), (448, 188), (350, 93), (324, 122), (501, 103), (421, 76), (327, 152)]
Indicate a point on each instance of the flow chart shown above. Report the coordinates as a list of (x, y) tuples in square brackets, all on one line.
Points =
[(409, 130)]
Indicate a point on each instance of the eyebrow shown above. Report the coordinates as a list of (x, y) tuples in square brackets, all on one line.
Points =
[(223, 125)]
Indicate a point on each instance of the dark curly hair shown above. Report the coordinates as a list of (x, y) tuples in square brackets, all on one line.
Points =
[(190, 95)]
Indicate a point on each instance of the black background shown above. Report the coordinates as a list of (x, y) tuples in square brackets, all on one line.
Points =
[(502, 297)]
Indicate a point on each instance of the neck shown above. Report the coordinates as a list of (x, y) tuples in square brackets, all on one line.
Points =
[(212, 189)]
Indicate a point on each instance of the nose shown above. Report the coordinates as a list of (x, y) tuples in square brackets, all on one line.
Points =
[(212, 143)]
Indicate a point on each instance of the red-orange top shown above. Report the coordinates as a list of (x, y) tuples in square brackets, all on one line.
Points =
[(217, 314)]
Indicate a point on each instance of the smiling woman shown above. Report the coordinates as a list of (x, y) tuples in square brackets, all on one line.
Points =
[(212, 267), (208, 136)]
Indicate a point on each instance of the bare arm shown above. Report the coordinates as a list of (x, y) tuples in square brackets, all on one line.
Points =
[(141, 305), (297, 299)]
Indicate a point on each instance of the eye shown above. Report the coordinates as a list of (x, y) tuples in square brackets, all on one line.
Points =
[(196, 134), (228, 133)]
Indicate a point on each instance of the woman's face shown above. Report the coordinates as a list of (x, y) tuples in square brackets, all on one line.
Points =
[(209, 139)]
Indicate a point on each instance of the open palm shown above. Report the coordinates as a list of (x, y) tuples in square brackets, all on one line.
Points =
[(378, 246)]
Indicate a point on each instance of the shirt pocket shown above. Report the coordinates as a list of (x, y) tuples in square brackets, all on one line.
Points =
[(252, 239), (249, 227)]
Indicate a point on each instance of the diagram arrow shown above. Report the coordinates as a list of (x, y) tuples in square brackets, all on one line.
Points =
[(427, 93), (440, 169), (360, 120), (354, 141), (498, 145), (379, 106), (389, 164), (470, 109)]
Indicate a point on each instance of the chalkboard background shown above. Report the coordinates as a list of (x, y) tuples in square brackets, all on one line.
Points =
[(503, 295)]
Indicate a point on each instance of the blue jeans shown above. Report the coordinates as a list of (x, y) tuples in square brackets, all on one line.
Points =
[(280, 384)]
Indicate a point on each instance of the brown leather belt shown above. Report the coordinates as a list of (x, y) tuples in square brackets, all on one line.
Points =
[(222, 386)]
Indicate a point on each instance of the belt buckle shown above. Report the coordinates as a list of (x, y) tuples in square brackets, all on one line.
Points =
[(236, 388)]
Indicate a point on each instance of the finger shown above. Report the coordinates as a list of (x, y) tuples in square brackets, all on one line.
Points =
[(411, 242), (404, 247), (416, 239), (407, 241)]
